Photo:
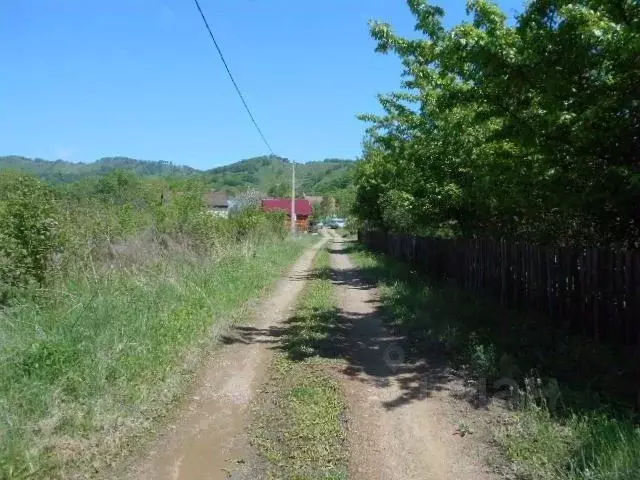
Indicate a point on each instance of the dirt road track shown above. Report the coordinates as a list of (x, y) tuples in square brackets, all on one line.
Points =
[(208, 439), (401, 416)]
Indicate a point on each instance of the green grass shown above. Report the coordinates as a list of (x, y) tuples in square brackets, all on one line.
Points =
[(583, 446), (347, 233), (298, 424), (587, 434), (87, 369)]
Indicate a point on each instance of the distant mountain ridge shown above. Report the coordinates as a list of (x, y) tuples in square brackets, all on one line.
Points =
[(62, 171), (270, 174)]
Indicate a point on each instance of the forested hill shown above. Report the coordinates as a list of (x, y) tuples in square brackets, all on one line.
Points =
[(268, 174), (60, 171), (273, 175)]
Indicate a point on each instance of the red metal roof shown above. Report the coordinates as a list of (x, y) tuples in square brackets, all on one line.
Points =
[(303, 207)]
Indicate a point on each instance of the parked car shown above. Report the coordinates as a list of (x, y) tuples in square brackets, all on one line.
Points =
[(337, 223)]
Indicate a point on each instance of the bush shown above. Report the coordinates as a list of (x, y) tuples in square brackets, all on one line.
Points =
[(84, 227), (28, 231), (252, 224), (119, 186)]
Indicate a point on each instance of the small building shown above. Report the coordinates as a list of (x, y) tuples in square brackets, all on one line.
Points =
[(217, 203), (303, 210)]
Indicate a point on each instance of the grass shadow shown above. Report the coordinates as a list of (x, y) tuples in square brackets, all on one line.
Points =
[(316, 332)]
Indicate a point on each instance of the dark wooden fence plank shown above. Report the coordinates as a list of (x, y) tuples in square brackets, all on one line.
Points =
[(589, 290)]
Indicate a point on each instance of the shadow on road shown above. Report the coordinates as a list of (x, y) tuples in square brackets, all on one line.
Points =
[(432, 328), (367, 352)]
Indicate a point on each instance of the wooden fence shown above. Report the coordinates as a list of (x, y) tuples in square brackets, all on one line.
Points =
[(594, 291)]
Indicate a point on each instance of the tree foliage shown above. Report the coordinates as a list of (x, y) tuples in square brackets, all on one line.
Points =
[(87, 223), (61, 171), (28, 231), (271, 174), (525, 129)]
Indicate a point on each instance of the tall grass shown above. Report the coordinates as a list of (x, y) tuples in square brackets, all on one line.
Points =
[(90, 365), (591, 446), (107, 301)]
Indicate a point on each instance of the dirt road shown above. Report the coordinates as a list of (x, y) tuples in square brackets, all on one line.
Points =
[(403, 421), (403, 417), (208, 440)]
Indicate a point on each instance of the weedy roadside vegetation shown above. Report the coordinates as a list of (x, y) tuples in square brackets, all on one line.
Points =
[(110, 292)]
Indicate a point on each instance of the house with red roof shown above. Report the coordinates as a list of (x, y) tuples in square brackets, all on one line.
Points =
[(303, 210)]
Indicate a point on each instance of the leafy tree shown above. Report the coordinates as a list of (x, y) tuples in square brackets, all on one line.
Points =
[(119, 186), (279, 190), (344, 201), (324, 209), (28, 230), (525, 130)]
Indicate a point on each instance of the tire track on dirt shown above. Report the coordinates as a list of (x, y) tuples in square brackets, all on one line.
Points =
[(208, 439), (398, 427)]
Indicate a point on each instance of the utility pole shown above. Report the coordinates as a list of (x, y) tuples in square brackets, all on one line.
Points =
[(293, 197)]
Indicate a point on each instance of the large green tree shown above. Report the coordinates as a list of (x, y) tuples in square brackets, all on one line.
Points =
[(523, 129)]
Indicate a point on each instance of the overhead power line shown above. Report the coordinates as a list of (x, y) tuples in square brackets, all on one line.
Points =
[(224, 62)]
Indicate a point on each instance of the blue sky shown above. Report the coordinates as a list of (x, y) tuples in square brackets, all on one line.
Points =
[(81, 79)]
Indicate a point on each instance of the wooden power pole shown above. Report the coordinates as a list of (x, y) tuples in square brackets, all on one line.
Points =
[(293, 197)]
